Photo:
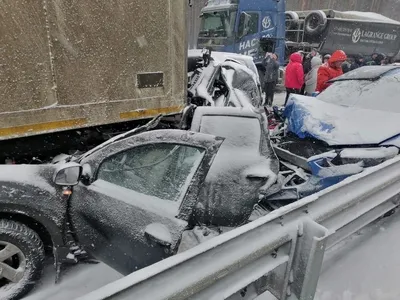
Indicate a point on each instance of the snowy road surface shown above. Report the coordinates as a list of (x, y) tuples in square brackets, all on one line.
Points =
[(76, 282), (366, 266), (279, 99)]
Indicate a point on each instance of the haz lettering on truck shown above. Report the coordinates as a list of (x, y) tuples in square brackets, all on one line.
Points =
[(250, 47)]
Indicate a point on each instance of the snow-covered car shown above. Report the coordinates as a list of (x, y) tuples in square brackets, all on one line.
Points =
[(352, 125), (129, 201), (360, 108), (222, 79)]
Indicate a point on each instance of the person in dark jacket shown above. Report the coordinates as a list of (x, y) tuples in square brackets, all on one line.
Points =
[(307, 61), (346, 66), (358, 62), (271, 66), (376, 59)]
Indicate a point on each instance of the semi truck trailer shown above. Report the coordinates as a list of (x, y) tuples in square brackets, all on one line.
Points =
[(74, 73)]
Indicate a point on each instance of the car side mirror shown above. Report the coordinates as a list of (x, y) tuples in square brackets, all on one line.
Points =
[(67, 174)]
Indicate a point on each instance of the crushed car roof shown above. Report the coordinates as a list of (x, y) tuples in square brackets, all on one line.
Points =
[(220, 57)]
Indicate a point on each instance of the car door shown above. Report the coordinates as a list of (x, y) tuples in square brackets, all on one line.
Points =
[(140, 196)]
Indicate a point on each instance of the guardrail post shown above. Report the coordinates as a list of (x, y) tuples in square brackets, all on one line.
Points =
[(308, 259)]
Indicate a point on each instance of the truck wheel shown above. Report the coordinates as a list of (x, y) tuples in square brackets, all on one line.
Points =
[(291, 20), (21, 259), (315, 22)]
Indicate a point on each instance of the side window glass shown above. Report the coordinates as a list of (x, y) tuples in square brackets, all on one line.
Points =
[(253, 24), (248, 24), (159, 170)]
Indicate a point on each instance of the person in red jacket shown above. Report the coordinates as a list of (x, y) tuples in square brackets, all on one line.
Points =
[(331, 70), (294, 75)]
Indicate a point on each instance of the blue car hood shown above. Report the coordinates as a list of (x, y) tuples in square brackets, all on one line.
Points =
[(339, 125)]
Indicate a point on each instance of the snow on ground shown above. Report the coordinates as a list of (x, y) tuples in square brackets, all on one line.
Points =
[(366, 266), (279, 99), (75, 282)]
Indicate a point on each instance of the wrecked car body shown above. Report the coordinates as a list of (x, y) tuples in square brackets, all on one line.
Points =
[(129, 201), (340, 132), (246, 155), (350, 111), (222, 79)]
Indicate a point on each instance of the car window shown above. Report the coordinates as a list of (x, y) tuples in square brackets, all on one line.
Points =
[(161, 170), (376, 95), (237, 131)]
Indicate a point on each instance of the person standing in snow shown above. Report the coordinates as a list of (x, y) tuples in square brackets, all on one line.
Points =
[(294, 77), (346, 66), (332, 70), (358, 62), (307, 61), (271, 66), (307, 65), (326, 58), (311, 77), (376, 59)]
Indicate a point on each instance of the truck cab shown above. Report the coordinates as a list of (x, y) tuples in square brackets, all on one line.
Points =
[(245, 27)]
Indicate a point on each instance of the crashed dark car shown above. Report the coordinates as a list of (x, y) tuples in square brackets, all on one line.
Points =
[(352, 125), (131, 201), (222, 79)]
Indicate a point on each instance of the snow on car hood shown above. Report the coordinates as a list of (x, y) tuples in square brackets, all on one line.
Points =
[(39, 176), (339, 125)]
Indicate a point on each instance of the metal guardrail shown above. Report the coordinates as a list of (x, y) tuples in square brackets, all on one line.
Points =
[(281, 253)]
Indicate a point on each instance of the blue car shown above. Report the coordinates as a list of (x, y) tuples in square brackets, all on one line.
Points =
[(352, 125)]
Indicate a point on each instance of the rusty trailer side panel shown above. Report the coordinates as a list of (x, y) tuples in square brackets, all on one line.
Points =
[(68, 64)]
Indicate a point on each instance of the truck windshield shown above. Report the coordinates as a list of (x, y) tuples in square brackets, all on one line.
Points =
[(217, 24)]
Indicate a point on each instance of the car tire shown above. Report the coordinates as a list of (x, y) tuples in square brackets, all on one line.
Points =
[(28, 259)]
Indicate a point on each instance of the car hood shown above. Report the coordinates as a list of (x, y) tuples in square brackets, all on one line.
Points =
[(339, 125), (37, 176)]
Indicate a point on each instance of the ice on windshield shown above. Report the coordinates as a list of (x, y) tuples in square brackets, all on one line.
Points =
[(218, 23), (376, 95)]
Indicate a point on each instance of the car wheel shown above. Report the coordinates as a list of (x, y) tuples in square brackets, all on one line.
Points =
[(21, 259)]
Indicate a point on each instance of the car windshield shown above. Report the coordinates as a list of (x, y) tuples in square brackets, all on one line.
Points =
[(380, 95), (217, 23)]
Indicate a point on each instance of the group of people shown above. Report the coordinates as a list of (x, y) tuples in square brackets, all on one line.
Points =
[(312, 74), (306, 75)]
